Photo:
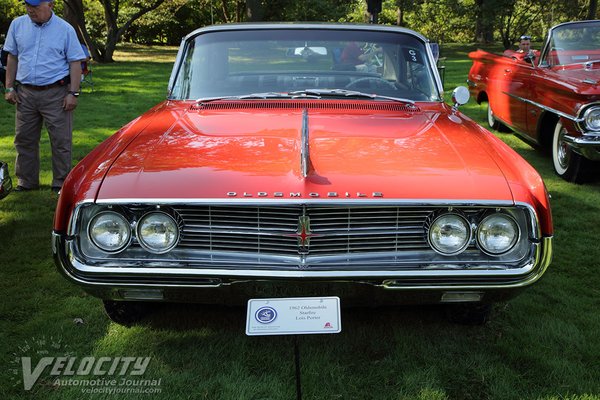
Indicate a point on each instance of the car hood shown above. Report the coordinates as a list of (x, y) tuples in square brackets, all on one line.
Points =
[(254, 151), (579, 74)]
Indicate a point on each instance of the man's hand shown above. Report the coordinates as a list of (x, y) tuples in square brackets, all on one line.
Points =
[(12, 97), (70, 102)]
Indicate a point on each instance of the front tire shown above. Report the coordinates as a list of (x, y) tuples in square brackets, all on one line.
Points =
[(568, 165), (493, 122)]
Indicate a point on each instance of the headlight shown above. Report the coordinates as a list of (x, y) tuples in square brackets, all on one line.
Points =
[(157, 232), (497, 234), (110, 231), (592, 118), (449, 234)]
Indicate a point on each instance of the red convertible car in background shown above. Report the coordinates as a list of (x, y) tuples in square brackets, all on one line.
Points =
[(303, 160), (553, 100)]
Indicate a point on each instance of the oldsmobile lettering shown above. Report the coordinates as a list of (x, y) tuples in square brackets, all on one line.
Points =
[(310, 194)]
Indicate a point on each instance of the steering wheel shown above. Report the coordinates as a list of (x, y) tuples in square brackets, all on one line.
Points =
[(371, 82)]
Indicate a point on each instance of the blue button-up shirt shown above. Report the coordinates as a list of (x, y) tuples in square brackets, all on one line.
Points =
[(43, 51)]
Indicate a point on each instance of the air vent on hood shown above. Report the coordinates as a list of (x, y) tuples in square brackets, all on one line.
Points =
[(293, 104)]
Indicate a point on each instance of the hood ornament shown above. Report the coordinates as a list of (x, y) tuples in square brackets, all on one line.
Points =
[(305, 163)]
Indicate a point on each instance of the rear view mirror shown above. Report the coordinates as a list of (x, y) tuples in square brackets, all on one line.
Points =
[(310, 51)]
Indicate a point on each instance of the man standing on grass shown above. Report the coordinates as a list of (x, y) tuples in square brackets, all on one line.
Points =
[(43, 74)]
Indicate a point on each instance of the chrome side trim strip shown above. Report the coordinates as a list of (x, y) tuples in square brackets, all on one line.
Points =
[(543, 107)]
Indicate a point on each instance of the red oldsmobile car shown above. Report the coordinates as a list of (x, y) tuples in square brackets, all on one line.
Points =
[(550, 100), (281, 165)]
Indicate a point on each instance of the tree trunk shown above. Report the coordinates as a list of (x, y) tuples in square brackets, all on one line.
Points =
[(111, 14), (73, 13), (75, 16), (254, 10), (400, 20), (484, 32), (592, 10)]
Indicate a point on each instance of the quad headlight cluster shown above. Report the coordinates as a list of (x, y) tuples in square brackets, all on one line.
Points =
[(451, 233), (592, 118), (156, 231)]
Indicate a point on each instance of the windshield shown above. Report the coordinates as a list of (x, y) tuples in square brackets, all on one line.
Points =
[(283, 61), (574, 43)]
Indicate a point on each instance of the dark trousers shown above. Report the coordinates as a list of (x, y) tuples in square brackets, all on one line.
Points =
[(37, 107)]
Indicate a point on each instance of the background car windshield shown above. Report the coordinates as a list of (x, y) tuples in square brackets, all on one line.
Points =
[(574, 43), (243, 62)]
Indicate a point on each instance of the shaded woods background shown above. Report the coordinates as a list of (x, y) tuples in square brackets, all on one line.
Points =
[(104, 23)]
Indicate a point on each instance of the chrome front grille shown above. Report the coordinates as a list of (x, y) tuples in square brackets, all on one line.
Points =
[(317, 236), (308, 230)]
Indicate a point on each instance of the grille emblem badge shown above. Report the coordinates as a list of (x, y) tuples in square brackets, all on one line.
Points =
[(303, 234)]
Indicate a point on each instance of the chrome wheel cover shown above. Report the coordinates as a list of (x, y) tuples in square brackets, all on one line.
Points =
[(490, 116), (561, 153)]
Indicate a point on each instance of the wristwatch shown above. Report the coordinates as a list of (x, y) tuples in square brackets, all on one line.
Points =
[(76, 94), (8, 90)]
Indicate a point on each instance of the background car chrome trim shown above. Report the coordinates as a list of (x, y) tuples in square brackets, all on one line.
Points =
[(581, 123), (543, 107), (586, 140)]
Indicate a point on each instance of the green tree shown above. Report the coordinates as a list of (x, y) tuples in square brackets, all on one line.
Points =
[(516, 18), (9, 9), (118, 17)]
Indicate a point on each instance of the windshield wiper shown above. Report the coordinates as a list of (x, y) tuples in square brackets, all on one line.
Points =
[(250, 96), (345, 93)]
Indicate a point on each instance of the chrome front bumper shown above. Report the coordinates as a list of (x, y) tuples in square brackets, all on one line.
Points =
[(221, 285), (587, 145)]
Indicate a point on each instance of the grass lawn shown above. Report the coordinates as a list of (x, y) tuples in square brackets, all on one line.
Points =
[(544, 344)]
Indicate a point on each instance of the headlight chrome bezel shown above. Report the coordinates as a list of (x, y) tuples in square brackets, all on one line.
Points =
[(126, 223), (513, 243), (586, 116), (143, 243), (464, 245)]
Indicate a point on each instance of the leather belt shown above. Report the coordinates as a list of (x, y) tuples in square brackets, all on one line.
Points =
[(61, 82)]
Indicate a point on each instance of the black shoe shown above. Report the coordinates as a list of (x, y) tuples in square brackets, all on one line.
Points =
[(55, 189), (20, 188)]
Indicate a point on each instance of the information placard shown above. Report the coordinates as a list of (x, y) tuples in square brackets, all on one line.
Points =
[(293, 316)]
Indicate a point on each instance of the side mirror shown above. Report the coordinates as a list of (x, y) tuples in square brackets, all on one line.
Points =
[(460, 96)]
